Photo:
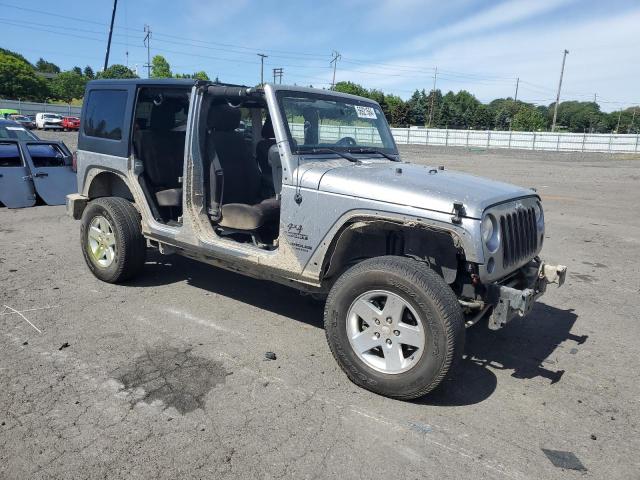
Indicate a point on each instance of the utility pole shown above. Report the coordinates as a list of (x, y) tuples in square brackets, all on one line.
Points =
[(433, 95), (278, 72), (618, 126), (262, 57), (515, 102), (555, 110), (113, 17), (147, 43), (336, 56)]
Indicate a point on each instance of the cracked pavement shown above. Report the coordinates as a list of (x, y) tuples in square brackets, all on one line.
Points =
[(165, 377)]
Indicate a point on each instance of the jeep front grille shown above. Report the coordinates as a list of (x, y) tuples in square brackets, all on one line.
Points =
[(519, 236)]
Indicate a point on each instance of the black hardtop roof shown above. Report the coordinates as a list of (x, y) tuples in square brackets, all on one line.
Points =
[(154, 82)]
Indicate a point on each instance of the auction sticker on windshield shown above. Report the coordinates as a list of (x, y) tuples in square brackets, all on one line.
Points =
[(365, 112)]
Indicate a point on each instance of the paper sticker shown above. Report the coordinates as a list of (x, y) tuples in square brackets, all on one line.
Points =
[(15, 128), (365, 112)]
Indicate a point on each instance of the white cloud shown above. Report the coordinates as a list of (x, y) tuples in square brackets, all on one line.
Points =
[(504, 14), (602, 59)]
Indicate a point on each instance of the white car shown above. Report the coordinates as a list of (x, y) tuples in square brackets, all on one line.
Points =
[(48, 120)]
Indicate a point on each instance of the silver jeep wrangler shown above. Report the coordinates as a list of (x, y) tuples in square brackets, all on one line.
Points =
[(306, 187)]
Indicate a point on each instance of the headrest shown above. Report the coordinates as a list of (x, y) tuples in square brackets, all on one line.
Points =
[(162, 117), (267, 129), (223, 118)]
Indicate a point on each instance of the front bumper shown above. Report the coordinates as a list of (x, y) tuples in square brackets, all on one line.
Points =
[(516, 298)]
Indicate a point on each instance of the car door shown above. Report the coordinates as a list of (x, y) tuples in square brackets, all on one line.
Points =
[(16, 187), (50, 164)]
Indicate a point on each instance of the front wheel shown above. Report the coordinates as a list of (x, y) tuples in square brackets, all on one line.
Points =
[(394, 326), (112, 242)]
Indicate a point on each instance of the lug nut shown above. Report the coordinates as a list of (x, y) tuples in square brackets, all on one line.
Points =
[(389, 341), (396, 332), (377, 335), (389, 320), (377, 321)]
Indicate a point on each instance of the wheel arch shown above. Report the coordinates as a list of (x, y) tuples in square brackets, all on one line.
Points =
[(363, 238), (105, 183)]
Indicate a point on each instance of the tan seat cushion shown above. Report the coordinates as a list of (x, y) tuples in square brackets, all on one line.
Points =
[(240, 216)]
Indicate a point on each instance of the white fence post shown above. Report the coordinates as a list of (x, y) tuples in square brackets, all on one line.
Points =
[(534, 141), (426, 141), (637, 138), (610, 139), (488, 138), (446, 138), (468, 131), (558, 144), (408, 135), (510, 133), (584, 139)]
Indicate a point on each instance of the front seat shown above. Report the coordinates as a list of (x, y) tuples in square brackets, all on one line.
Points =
[(242, 208)]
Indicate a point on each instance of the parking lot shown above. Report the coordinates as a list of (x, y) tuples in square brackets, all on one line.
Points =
[(166, 376)]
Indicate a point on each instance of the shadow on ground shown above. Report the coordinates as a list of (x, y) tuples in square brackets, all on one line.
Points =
[(524, 347), (270, 296)]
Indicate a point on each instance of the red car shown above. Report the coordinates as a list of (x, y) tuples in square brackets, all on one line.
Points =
[(70, 123)]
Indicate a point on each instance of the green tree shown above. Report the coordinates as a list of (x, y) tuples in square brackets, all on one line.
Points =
[(16, 55), (160, 68), (18, 79), (351, 88), (482, 118), (68, 85), (77, 70), (528, 119), (418, 108), (201, 75), (117, 71), (46, 67), (88, 72)]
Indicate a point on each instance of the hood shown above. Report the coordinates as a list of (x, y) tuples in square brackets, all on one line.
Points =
[(416, 186)]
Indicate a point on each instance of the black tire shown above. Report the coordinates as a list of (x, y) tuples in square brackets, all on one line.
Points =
[(130, 251), (433, 301)]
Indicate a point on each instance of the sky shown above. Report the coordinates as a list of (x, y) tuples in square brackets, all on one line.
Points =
[(481, 46)]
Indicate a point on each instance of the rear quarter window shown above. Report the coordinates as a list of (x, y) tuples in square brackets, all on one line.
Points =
[(104, 117), (47, 156)]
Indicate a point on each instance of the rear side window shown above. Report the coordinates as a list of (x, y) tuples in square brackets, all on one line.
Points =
[(105, 114), (10, 155), (47, 156)]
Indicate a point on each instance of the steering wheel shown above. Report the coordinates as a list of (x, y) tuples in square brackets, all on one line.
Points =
[(347, 142)]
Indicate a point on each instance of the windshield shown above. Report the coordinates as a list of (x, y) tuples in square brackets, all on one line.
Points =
[(51, 115), (317, 121), (16, 132)]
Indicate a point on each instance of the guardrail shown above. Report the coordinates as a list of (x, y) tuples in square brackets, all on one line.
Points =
[(559, 142), (31, 108)]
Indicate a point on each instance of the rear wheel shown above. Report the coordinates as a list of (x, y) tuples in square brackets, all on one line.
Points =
[(394, 326), (112, 242)]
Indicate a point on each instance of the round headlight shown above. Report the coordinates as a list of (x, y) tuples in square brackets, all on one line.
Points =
[(490, 234)]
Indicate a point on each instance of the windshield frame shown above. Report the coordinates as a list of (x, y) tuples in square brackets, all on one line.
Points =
[(331, 96)]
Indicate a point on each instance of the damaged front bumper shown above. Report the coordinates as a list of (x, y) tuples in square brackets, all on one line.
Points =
[(516, 297)]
